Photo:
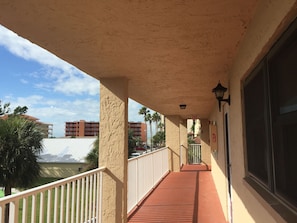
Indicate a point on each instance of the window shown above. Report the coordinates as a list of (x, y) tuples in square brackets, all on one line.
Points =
[(270, 106), (256, 103)]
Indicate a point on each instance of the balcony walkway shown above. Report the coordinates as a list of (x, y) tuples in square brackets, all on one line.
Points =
[(187, 196)]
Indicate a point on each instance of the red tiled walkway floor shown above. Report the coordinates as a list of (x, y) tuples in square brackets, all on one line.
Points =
[(187, 196)]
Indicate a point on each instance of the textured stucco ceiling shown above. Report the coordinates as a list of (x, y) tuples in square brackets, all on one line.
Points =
[(172, 52)]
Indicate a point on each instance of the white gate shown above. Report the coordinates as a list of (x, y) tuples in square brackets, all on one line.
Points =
[(194, 154)]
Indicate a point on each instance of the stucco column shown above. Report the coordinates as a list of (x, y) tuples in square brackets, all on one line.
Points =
[(205, 143), (183, 141), (172, 124), (113, 148)]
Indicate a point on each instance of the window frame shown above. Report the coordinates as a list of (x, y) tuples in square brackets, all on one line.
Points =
[(268, 191)]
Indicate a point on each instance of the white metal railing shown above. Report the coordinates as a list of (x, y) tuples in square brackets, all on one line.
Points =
[(78, 198), (74, 199), (144, 172)]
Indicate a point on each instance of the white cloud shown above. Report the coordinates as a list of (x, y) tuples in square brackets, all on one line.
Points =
[(71, 82), (63, 77), (24, 81), (29, 51), (134, 108), (76, 84)]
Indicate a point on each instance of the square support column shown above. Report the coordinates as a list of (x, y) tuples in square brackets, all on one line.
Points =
[(172, 131), (205, 143), (183, 141), (113, 148)]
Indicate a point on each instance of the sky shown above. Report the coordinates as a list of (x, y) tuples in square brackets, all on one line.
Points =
[(54, 91)]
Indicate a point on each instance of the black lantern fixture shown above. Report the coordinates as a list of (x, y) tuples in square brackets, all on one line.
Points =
[(219, 91), (182, 106)]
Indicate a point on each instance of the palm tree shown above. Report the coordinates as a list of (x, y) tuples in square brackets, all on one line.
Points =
[(5, 109), (156, 118), (20, 145), (148, 118), (93, 156), (161, 126), (144, 111)]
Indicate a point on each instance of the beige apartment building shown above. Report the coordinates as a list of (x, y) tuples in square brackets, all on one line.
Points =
[(169, 56), (46, 128)]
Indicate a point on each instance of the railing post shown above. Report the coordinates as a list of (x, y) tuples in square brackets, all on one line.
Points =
[(41, 205), (100, 200), (137, 183), (13, 211), (48, 214), (33, 210)]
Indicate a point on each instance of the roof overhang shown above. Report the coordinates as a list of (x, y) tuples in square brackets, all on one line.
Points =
[(172, 52)]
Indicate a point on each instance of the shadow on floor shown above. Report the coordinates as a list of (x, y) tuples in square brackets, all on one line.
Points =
[(186, 196)]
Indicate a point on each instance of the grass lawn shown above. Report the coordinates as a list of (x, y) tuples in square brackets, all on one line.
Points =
[(1, 193)]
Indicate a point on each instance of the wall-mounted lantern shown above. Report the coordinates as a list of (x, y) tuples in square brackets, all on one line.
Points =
[(182, 106), (219, 91)]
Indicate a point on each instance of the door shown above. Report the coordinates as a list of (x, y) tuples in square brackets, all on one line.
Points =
[(228, 162)]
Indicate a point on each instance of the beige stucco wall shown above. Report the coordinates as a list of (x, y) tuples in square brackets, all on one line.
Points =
[(61, 170), (218, 161), (271, 18)]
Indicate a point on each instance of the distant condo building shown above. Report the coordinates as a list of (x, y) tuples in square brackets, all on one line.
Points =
[(46, 129), (82, 129), (139, 130)]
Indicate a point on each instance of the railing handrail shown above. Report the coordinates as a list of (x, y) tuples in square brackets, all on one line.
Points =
[(148, 153), (145, 171), (48, 186)]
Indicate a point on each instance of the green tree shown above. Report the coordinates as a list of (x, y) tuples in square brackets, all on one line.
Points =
[(131, 142), (147, 118), (159, 138), (193, 128), (20, 110), (4, 109), (93, 156), (190, 139), (20, 145), (161, 126)]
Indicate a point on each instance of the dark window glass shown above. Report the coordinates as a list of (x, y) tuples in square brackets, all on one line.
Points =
[(283, 73), (256, 131), (283, 76), (286, 162)]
